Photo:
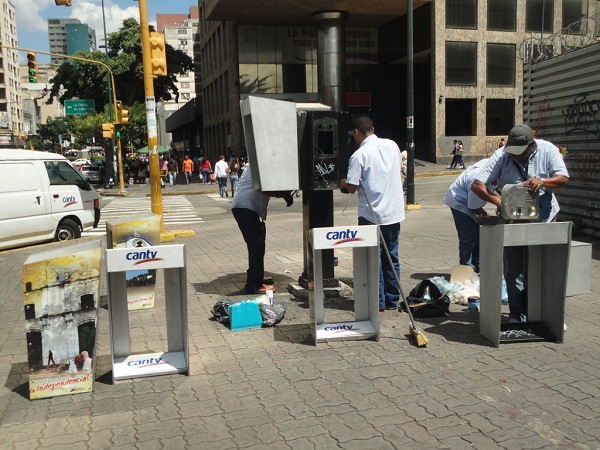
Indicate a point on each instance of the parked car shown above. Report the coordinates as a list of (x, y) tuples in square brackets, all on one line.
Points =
[(92, 173), (79, 162)]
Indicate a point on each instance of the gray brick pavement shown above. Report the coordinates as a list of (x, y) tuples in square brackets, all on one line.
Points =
[(272, 388)]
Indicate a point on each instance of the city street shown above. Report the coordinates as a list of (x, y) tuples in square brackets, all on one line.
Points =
[(273, 388)]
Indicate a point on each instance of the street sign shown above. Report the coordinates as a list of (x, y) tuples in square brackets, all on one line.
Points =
[(73, 107)]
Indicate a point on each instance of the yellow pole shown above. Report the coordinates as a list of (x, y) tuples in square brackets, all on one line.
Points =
[(155, 192)]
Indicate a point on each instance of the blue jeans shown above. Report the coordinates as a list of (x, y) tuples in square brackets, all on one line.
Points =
[(468, 239), (233, 179), (222, 181), (206, 175), (254, 232), (515, 274), (389, 292), (188, 177)]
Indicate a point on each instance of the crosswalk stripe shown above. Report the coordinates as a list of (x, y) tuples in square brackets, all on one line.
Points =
[(177, 210)]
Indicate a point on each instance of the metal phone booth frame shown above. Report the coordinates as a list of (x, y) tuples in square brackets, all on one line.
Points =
[(547, 267), (172, 259), (364, 241)]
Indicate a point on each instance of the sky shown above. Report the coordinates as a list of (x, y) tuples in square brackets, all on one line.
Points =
[(32, 16)]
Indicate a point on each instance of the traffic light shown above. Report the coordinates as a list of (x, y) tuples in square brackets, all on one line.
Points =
[(117, 128), (108, 130), (158, 54), (32, 64), (62, 2), (123, 114)]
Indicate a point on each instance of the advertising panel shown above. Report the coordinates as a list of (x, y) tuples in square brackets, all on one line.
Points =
[(61, 289), (140, 231)]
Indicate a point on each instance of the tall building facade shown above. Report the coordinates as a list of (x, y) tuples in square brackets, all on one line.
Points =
[(67, 36), (11, 105), (181, 32), (80, 37), (469, 58)]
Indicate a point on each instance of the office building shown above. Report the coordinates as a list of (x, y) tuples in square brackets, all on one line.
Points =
[(469, 57), (67, 36), (11, 105), (181, 32)]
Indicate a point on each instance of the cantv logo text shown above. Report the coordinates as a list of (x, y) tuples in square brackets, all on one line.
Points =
[(146, 362), (340, 328), (142, 256), (343, 237), (68, 201)]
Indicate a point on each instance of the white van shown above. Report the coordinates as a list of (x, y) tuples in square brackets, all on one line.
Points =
[(43, 198)]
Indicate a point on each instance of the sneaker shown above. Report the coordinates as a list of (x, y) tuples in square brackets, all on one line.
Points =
[(264, 288), (382, 311)]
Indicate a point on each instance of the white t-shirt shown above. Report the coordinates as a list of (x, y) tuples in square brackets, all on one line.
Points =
[(378, 162), (221, 169)]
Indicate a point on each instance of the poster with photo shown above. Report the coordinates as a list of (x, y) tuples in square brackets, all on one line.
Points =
[(61, 289), (142, 230)]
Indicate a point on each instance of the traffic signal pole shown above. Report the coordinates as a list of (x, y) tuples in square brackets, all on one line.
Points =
[(155, 192)]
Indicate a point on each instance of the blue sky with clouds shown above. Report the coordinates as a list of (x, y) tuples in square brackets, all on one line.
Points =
[(32, 16)]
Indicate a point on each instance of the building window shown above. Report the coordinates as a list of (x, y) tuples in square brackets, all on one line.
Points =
[(572, 13), (539, 16), (501, 64), (461, 117), (499, 117), (461, 63), (461, 14), (502, 15)]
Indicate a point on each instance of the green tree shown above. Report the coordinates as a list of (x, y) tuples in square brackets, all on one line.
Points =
[(78, 79), (49, 132)]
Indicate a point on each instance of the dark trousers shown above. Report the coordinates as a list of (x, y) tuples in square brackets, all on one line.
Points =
[(515, 275), (254, 232), (388, 285)]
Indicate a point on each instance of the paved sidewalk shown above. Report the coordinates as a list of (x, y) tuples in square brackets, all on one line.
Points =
[(274, 389)]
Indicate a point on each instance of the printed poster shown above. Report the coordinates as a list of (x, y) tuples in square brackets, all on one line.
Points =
[(142, 230), (61, 289)]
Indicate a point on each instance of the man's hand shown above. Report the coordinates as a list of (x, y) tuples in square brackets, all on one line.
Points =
[(534, 184), (347, 188)]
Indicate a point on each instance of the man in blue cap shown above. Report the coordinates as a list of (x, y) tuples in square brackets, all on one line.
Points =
[(539, 166)]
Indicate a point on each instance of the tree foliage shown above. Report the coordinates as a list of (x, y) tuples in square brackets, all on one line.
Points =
[(76, 79), (80, 79)]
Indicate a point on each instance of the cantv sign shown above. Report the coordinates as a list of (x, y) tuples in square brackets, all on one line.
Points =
[(345, 237), (153, 257)]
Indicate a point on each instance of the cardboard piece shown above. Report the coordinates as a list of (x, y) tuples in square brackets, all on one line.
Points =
[(461, 274)]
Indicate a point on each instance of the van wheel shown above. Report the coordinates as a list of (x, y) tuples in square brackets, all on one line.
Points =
[(67, 230)]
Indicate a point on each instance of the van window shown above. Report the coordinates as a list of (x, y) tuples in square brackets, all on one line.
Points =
[(61, 173), (22, 171)]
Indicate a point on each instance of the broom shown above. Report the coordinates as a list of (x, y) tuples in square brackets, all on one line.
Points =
[(412, 326)]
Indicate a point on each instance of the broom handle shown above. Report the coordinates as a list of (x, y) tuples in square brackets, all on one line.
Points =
[(389, 257)]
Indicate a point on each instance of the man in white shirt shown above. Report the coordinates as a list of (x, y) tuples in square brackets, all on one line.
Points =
[(465, 205), (378, 163), (221, 174)]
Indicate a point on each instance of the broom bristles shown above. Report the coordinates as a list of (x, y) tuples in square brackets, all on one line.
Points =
[(419, 336)]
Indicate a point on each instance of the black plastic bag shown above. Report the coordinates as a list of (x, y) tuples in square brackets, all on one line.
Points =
[(271, 314), (419, 290), (434, 308), (220, 311)]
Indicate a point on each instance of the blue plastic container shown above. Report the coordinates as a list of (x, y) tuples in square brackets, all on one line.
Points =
[(244, 316)]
